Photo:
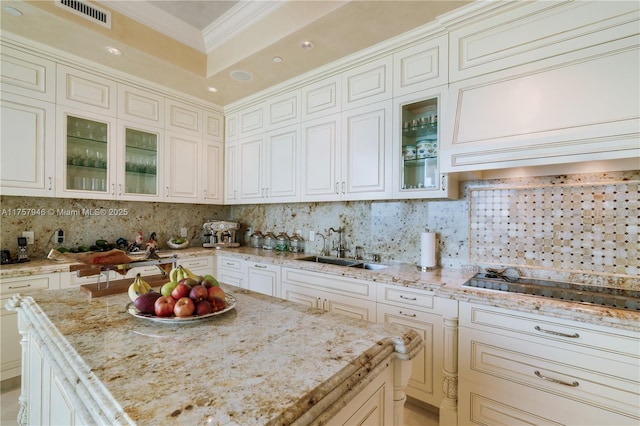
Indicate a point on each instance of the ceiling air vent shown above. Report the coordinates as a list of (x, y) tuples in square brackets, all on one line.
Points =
[(88, 11)]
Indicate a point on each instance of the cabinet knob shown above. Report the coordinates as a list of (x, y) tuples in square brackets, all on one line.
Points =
[(50, 183), (113, 189)]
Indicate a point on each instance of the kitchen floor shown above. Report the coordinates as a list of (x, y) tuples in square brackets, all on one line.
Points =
[(414, 415)]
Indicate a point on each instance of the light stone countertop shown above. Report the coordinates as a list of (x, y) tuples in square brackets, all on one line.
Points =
[(446, 283), (239, 368)]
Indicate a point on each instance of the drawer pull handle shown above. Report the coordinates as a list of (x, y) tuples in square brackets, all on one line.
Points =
[(11, 287), (260, 266), (557, 333), (408, 298), (407, 315), (560, 382)]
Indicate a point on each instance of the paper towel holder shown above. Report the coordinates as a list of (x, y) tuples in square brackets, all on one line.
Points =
[(428, 247)]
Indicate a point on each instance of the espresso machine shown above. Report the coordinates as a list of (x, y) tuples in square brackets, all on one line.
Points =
[(220, 234)]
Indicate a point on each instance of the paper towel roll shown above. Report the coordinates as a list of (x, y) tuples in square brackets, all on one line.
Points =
[(428, 249)]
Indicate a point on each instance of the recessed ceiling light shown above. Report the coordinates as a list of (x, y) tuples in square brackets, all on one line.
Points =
[(276, 59), (241, 75), (307, 45), (212, 89), (113, 50), (12, 11)]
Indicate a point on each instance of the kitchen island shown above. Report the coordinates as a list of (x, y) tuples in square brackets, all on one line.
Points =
[(268, 361)]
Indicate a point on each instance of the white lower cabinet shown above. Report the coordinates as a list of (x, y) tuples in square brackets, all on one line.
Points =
[(516, 367), (373, 406), (203, 265), (262, 277), (419, 314), (10, 350), (347, 296), (230, 271)]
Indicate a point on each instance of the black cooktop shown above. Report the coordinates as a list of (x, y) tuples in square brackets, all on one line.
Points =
[(603, 296)]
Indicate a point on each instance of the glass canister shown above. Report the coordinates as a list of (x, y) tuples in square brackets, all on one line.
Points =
[(282, 242), (255, 240), (296, 243), (269, 241)]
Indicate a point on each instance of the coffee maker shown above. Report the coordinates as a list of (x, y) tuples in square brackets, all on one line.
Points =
[(220, 234)]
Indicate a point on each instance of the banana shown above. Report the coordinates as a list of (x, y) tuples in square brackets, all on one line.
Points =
[(173, 275), (138, 287), (188, 273)]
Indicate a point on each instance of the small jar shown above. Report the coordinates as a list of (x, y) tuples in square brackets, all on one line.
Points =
[(282, 242), (269, 241), (296, 243), (256, 239)]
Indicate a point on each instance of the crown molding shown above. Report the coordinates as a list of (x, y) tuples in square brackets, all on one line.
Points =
[(159, 20), (235, 20)]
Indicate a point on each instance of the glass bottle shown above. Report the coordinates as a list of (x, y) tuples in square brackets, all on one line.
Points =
[(269, 241), (296, 243)]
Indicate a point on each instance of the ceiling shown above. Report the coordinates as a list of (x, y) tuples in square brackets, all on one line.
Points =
[(194, 45)]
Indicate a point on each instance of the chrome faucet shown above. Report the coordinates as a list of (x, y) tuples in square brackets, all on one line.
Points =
[(340, 250), (324, 244)]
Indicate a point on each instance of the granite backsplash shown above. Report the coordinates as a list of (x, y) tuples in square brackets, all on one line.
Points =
[(553, 227)]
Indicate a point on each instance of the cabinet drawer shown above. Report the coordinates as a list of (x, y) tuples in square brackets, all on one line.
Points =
[(495, 402), (199, 263), (229, 263), (551, 331), (592, 379), (75, 280), (10, 286), (143, 271), (340, 285), (402, 295)]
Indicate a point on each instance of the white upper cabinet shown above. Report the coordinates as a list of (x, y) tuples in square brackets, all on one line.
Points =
[(140, 106), (28, 75), (282, 159), (182, 168), (526, 32), (367, 84), (213, 126), (213, 171), (558, 83), (348, 156), (367, 153), (231, 173), (89, 92), (183, 118), (320, 165), (421, 67), (268, 167), (252, 120), (27, 146), (321, 98), (231, 127), (284, 110)]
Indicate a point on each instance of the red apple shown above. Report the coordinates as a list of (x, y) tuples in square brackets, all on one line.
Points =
[(198, 293), (203, 308), (164, 305), (181, 290), (218, 304), (184, 307), (215, 292)]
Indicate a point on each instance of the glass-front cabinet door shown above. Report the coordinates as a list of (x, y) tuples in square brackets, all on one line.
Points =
[(87, 154), (138, 176), (416, 145)]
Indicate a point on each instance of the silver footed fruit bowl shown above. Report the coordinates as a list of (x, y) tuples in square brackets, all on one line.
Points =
[(178, 243)]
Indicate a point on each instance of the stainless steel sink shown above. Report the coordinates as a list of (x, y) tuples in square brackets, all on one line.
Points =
[(343, 262)]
